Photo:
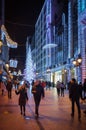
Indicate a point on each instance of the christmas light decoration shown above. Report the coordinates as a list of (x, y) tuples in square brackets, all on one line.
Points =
[(10, 42), (29, 72)]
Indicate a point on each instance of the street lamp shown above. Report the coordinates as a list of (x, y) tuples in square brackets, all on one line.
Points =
[(77, 63)]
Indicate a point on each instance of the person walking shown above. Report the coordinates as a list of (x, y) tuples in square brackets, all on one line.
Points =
[(38, 93), (9, 88), (23, 97), (62, 89), (3, 88), (81, 89), (74, 95), (84, 90), (58, 87)]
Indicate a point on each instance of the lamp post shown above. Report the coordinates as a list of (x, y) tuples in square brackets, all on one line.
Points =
[(77, 63)]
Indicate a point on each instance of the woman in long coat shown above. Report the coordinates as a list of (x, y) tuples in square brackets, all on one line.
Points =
[(22, 98)]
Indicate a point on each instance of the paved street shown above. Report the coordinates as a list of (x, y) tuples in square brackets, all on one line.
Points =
[(54, 113)]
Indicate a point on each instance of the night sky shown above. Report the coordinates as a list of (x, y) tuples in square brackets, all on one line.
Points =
[(20, 19)]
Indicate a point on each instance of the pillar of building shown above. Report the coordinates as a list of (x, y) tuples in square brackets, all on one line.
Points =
[(70, 35), (65, 39), (70, 30)]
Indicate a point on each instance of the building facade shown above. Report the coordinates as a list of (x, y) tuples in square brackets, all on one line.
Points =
[(82, 34), (61, 23)]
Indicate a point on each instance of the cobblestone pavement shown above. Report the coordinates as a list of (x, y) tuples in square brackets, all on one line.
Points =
[(54, 113)]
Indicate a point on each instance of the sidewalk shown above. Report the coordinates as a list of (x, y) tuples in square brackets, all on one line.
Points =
[(54, 114)]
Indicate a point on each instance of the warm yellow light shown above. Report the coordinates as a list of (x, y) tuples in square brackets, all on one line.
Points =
[(7, 66), (74, 62), (79, 60), (1, 43)]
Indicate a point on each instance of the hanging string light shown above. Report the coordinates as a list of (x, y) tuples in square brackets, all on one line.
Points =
[(1, 43), (10, 42)]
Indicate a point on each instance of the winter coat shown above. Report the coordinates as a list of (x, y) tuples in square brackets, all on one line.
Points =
[(74, 91), (38, 91), (23, 96), (9, 86)]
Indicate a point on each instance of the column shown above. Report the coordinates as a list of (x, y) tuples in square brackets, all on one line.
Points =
[(79, 29), (70, 30), (70, 37), (65, 39)]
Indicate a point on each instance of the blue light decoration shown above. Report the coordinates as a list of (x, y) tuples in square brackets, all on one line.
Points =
[(83, 4)]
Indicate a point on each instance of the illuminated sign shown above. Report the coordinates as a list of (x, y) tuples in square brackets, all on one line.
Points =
[(13, 63)]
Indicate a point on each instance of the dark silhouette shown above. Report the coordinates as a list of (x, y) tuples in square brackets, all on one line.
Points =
[(84, 88), (0, 78), (22, 97), (38, 92), (81, 88), (62, 89), (3, 88), (9, 88), (74, 95), (58, 87)]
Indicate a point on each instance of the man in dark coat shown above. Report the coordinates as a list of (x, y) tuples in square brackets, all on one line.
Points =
[(22, 98), (74, 95), (38, 93), (84, 89)]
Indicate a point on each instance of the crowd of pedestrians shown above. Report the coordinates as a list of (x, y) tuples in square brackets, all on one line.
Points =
[(76, 92), (60, 86)]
